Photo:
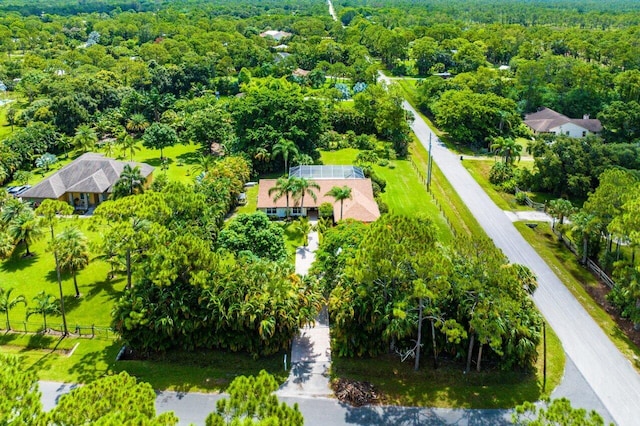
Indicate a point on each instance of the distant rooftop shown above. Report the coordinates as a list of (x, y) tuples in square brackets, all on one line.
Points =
[(327, 172)]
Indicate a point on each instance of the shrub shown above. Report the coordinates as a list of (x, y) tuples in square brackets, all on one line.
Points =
[(325, 210), (521, 198), (509, 186), (383, 163), (382, 206), (500, 173)]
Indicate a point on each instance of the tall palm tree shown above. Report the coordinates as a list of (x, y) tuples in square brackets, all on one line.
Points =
[(85, 138), (262, 155), (137, 124), (128, 144), (25, 228), (285, 149), (130, 182), (283, 188), (7, 303), (44, 304), (302, 226), (73, 249), (587, 225), (507, 148), (302, 186), (49, 211), (340, 194)]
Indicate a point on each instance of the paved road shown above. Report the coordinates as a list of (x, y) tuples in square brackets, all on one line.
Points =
[(193, 408), (609, 374)]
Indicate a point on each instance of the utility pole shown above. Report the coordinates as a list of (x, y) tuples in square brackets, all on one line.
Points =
[(429, 166)]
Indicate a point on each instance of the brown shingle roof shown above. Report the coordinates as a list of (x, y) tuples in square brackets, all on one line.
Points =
[(547, 119), (91, 173), (362, 206)]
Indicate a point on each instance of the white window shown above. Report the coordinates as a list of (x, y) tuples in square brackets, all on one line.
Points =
[(296, 211), (567, 133), (584, 133), (271, 211)]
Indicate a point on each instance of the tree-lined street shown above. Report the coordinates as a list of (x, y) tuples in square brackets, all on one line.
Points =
[(609, 374)]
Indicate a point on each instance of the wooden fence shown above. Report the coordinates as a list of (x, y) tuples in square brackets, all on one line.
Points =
[(75, 330), (536, 206), (591, 265)]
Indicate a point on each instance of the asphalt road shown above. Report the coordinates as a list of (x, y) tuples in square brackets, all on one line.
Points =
[(610, 375)]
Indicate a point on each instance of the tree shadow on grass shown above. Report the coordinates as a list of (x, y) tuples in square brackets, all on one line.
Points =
[(157, 162), (189, 158), (91, 366), (17, 262), (107, 287)]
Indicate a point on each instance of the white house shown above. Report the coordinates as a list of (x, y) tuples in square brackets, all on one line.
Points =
[(549, 121)]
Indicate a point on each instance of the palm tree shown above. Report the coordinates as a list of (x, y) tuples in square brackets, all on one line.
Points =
[(85, 138), (49, 210), (25, 228), (204, 163), (45, 304), (72, 247), (507, 148), (108, 147), (130, 182), (127, 144), (6, 245), (586, 225), (262, 155), (302, 226), (340, 194), (137, 124), (283, 188), (284, 148), (11, 210), (7, 303), (302, 186)]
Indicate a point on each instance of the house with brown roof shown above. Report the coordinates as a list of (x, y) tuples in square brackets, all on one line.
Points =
[(362, 206), (547, 120), (85, 182)]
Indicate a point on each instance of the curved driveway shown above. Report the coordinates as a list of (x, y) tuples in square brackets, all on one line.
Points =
[(609, 374)]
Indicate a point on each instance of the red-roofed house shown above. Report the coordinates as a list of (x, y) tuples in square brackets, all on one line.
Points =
[(362, 206)]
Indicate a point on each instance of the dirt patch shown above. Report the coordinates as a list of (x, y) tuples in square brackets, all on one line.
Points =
[(599, 294)]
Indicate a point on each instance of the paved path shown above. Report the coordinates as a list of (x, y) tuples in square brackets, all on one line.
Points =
[(611, 377), (528, 215), (310, 350)]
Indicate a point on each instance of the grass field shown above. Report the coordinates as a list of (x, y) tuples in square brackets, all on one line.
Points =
[(28, 276), (399, 384)]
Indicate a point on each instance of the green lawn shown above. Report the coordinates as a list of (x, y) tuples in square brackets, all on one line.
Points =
[(399, 384), (577, 280), (179, 160), (404, 194), (28, 276)]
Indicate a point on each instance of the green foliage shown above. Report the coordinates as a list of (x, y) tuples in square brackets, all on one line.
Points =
[(130, 182), (251, 402), (110, 400), (521, 198), (500, 173), (256, 234), (20, 399), (325, 210), (159, 136), (399, 274), (218, 302), (555, 412)]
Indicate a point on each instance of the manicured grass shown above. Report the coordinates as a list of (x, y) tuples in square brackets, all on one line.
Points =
[(252, 201), (201, 371), (179, 160), (28, 276), (577, 279), (292, 239), (452, 206), (405, 194), (448, 386)]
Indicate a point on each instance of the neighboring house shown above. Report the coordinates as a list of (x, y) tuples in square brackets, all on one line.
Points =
[(548, 121), (362, 206), (281, 56), (300, 73), (85, 182), (276, 35)]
